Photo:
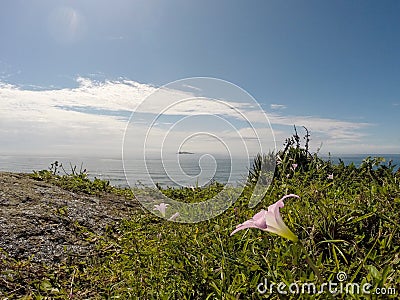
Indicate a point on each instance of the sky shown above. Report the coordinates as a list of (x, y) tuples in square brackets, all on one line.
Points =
[(76, 76)]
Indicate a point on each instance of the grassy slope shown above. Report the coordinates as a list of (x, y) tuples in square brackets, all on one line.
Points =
[(348, 224)]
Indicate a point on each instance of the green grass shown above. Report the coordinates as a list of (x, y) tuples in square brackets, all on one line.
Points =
[(349, 224)]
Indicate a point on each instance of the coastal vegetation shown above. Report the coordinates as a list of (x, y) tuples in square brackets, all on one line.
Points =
[(346, 219)]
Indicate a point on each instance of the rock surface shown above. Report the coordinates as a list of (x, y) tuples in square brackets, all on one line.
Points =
[(44, 222)]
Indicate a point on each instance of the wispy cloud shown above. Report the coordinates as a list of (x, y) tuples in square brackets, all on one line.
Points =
[(331, 128), (65, 120), (192, 87), (278, 106), (92, 117)]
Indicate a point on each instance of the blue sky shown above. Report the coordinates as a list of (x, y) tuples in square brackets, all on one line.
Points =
[(333, 66)]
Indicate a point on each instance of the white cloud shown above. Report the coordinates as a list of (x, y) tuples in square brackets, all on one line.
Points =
[(278, 106), (38, 120), (331, 128), (92, 118)]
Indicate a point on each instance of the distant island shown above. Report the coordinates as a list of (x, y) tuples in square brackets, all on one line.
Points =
[(185, 152)]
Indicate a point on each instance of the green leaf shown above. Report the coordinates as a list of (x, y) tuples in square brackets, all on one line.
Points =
[(374, 272)]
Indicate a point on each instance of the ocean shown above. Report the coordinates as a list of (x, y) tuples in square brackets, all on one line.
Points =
[(357, 159), (169, 172), (190, 170)]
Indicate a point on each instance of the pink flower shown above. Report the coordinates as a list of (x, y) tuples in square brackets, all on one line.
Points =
[(294, 166), (330, 176), (270, 220), (161, 208)]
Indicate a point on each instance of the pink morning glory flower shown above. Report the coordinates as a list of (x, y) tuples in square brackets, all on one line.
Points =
[(161, 208), (270, 220), (330, 176)]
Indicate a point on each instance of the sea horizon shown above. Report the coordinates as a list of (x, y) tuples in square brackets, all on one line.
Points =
[(188, 172)]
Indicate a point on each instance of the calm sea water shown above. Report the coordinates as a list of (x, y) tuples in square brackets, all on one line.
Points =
[(186, 170), (358, 158)]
